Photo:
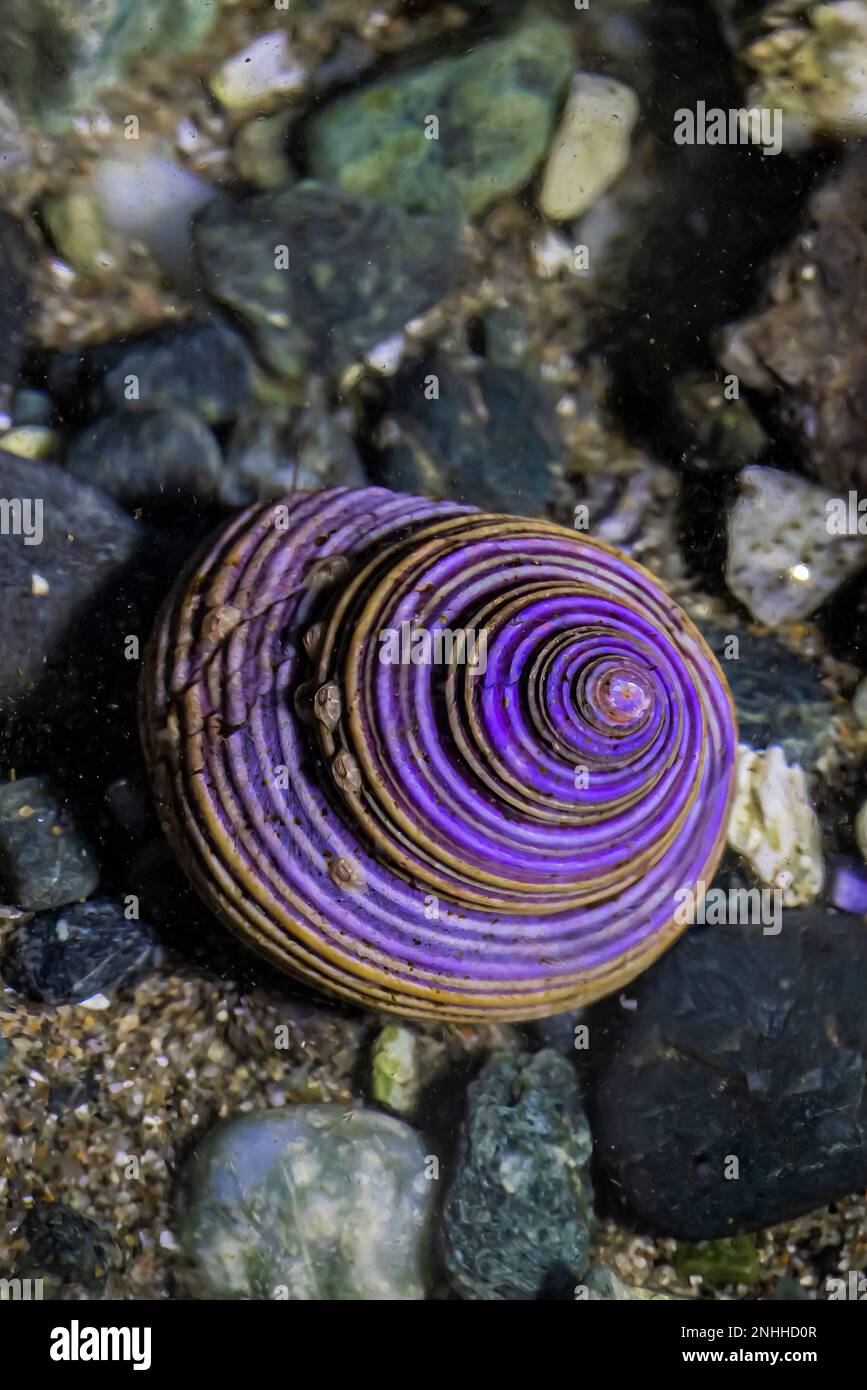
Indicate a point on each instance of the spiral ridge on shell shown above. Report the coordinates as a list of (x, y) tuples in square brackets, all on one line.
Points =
[(499, 829)]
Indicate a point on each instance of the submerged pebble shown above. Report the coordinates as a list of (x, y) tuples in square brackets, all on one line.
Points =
[(148, 456), (45, 860), (66, 1250), (591, 148), (518, 1212), (751, 1048), (321, 276), (783, 561), (79, 952), (310, 1202), (479, 123)]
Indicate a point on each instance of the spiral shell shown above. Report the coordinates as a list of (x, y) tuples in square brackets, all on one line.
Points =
[(496, 828)]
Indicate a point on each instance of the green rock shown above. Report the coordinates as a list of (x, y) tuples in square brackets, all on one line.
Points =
[(77, 229), (517, 1217), (495, 107), (320, 276), (729, 1260), (313, 1202), (395, 1069), (57, 56)]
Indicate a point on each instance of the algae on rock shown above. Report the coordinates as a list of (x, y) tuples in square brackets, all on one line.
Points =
[(57, 56), (481, 122)]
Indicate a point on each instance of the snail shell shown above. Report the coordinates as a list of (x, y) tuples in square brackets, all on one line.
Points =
[(497, 838)]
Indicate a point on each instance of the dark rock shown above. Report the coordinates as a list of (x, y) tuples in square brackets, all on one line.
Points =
[(321, 276), (128, 804), (44, 859), (66, 1250), (713, 431), (202, 367), (489, 438), (560, 1032), (148, 456), (66, 956), (779, 698), (14, 266), (805, 348), (745, 1054), (82, 542), (518, 1212)]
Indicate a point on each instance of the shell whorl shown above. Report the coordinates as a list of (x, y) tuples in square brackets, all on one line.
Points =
[(464, 838)]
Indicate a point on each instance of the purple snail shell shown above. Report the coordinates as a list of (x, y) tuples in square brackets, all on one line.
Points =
[(469, 839)]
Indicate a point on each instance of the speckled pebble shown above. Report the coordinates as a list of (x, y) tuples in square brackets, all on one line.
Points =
[(45, 860)]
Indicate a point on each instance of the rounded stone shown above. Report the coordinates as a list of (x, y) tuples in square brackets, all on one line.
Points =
[(313, 1202)]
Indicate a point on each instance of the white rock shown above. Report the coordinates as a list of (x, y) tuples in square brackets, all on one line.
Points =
[(263, 70), (387, 356), (773, 825), (95, 1002), (591, 147), (782, 562), (551, 253), (146, 197)]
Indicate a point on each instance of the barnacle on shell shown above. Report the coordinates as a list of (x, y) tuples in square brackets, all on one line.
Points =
[(466, 839)]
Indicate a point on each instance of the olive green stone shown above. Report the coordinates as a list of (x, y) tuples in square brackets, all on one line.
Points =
[(76, 225), (729, 1260), (481, 121)]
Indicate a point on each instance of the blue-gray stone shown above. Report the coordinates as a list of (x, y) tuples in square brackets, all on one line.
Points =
[(313, 1202), (203, 367), (80, 547), (45, 861), (151, 456), (66, 956)]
